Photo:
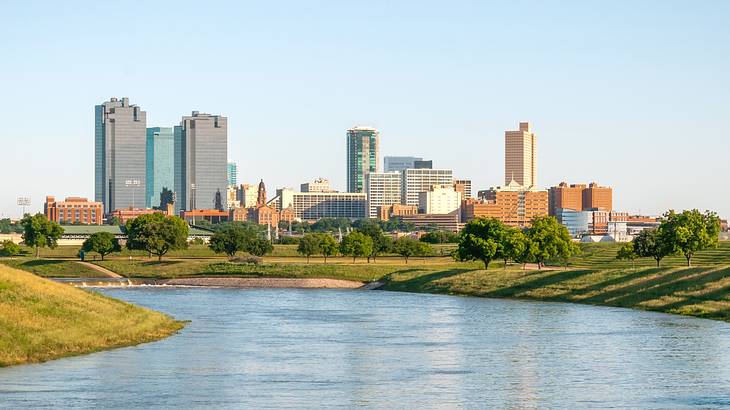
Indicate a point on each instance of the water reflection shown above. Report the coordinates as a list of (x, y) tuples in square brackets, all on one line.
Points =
[(278, 348)]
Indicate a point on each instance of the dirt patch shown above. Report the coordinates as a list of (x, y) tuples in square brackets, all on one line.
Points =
[(264, 283)]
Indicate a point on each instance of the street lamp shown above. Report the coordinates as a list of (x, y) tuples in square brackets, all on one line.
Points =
[(134, 183)]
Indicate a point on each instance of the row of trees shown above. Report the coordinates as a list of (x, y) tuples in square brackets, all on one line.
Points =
[(233, 238), (684, 233), (488, 239)]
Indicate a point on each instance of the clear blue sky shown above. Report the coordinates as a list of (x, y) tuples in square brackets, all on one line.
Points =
[(631, 94)]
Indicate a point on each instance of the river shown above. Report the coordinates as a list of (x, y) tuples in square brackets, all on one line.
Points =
[(289, 348)]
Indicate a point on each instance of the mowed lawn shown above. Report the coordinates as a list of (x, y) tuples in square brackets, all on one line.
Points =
[(42, 320), (697, 291)]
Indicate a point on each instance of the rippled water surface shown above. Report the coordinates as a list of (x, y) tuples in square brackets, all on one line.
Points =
[(278, 348)]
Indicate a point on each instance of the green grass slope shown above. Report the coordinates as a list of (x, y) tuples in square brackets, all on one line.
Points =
[(42, 320)]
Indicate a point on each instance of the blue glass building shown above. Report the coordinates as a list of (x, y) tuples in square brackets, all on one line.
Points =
[(577, 222), (160, 165)]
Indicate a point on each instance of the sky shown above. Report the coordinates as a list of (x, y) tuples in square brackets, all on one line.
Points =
[(634, 95)]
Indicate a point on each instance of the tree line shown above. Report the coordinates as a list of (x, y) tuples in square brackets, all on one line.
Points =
[(684, 233), (488, 239)]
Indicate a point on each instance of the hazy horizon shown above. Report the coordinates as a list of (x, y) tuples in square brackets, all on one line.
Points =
[(630, 95)]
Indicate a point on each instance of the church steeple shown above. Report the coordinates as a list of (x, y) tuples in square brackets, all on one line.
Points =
[(261, 199)]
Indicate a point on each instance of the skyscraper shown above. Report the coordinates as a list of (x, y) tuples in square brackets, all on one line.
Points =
[(400, 163), (119, 151), (362, 156), (232, 174), (383, 189), (201, 152), (520, 156), (160, 168)]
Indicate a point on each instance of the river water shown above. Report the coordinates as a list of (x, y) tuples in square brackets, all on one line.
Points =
[(288, 348)]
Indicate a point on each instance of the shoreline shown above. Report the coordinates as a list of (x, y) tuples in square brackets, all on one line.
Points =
[(281, 283)]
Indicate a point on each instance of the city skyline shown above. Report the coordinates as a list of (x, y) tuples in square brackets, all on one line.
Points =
[(652, 128)]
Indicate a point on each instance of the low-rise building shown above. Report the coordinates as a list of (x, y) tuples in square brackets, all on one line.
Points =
[(447, 222), (211, 215), (439, 199), (580, 197), (396, 210), (513, 204), (74, 210)]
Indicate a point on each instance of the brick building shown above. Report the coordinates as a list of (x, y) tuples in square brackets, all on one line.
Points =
[(74, 210), (580, 197)]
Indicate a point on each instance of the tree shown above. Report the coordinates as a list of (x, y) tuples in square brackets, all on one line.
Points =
[(6, 225), (626, 252), (328, 245), (653, 243), (157, 233), (381, 242), (231, 239), (406, 247), (166, 197), (102, 243), (692, 231), (481, 239), (440, 236), (309, 245), (114, 221), (513, 245), (39, 232), (356, 244), (259, 247), (550, 239), (528, 252), (10, 248)]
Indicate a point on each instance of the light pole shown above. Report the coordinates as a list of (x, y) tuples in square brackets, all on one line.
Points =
[(23, 201), (134, 183)]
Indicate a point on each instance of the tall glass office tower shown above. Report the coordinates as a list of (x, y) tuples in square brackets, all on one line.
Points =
[(362, 156), (201, 157), (160, 164), (232, 174), (119, 151)]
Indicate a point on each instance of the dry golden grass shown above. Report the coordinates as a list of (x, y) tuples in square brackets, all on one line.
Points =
[(42, 320)]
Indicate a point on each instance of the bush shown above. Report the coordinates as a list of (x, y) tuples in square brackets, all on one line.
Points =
[(289, 240), (252, 260), (197, 241), (9, 248)]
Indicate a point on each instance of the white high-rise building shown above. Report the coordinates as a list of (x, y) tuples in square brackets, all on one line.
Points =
[(414, 181), (439, 199), (383, 189), (520, 156)]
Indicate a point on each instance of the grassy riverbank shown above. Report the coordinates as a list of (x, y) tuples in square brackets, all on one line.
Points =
[(42, 320), (702, 291)]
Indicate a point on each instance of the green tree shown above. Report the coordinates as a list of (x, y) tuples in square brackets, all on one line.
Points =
[(9, 248), (231, 239), (309, 245), (481, 239), (328, 245), (513, 245), (157, 233), (692, 231), (440, 236), (259, 247), (166, 197), (381, 243), (356, 244), (114, 221), (102, 243), (653, 243), (39, 232), (626, 252), (6, 226), (551, 240), (406, 247)]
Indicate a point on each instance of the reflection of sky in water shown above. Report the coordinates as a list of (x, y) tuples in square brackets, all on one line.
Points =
[(274, 348)]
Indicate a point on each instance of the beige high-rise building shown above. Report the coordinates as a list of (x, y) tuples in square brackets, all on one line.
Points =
[(520, 156)]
